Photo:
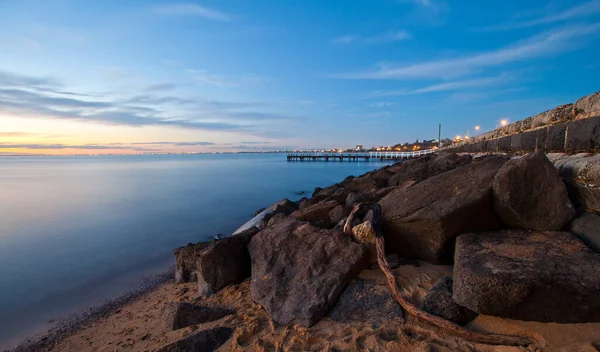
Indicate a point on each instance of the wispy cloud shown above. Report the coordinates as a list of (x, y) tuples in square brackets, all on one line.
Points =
[(186, 9), (161, 87), (220, 81), (33, 97), (387, 37), (15, 134), (583, 10), (67, 146), (550, 42), (382, 104), (449, 86)]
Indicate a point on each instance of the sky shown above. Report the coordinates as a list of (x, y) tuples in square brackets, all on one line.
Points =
[(98, 77)]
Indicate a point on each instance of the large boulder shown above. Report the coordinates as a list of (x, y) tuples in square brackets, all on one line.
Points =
[(338, 213), (587, 227), (355, 198), (178, 315), (528, 275), (439, 302), (299, 271), (529, 194), (224, 263), (185, 261), (317, 214), (422, 222), (204, 340), (427, 166), (364, 301)]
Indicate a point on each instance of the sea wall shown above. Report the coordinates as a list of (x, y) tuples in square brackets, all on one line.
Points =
[(566, 128)]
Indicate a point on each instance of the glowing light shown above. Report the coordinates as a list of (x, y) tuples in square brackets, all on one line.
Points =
[(458, 138), (477, 128), (503, 122)]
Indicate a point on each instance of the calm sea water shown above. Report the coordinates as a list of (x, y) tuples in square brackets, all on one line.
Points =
[(75, 231)]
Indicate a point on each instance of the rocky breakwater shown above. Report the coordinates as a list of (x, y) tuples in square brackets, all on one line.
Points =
[(505, 227)]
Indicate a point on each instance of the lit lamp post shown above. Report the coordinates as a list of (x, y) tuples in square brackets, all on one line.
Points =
[(503, 123)]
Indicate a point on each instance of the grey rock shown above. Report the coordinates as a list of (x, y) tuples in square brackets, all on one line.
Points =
[(439, 302), (528, 275), (587, 227), (185, 261), (529, 194), (365, 302), (178, 315), (317, 214), (224, 263), (299, 271), (205, 340), (422, 222)]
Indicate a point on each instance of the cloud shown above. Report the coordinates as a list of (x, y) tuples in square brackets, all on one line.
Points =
[(192, 10), (32, 97), (388, 37), (583, 10), (381, 104), (449, 86), (547, 43), (204, 76), (15, 134), (66, 146), (173, 143), (161, 87)]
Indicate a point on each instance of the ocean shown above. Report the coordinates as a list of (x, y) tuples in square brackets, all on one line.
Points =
[(78, 230)]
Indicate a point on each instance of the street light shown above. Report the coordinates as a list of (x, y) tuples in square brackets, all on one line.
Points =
[(504, 122), (476, 128)]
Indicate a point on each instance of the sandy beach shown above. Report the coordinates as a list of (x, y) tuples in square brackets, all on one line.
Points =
[(138, 325)]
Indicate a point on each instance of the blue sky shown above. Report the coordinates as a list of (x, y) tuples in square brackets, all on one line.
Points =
[(138, 76)]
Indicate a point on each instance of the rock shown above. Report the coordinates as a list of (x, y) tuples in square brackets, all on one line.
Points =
[(365, 235), (423, 221), (275, 218), (299, 271), (204, 340), (439, 302), (588, 106), (284, 206), (224, 263), (529, 194), (528, 275), (259, 211), (179, 315), (338, 196), (353, 198), (316, 191), (338, 213), (185, 261), (424, 167), (363, 301), (382, 192), (587, 227), (304, 203), (317, 214), (262, 219)]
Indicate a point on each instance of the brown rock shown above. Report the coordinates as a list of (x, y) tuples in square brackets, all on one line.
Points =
[(185, 261), (224, 263), (299, 271), (353, 198), (587, 227), (363, 301), (423, 221), (528, 275), (179, 315), (317, 214), (204, 340), (424, 167), (338, 213), (529, 194), (439, 302)]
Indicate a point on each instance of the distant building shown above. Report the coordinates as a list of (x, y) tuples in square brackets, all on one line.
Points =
[(359, 148)]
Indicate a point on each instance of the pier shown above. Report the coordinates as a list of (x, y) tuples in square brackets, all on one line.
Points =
[(370, 156)]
